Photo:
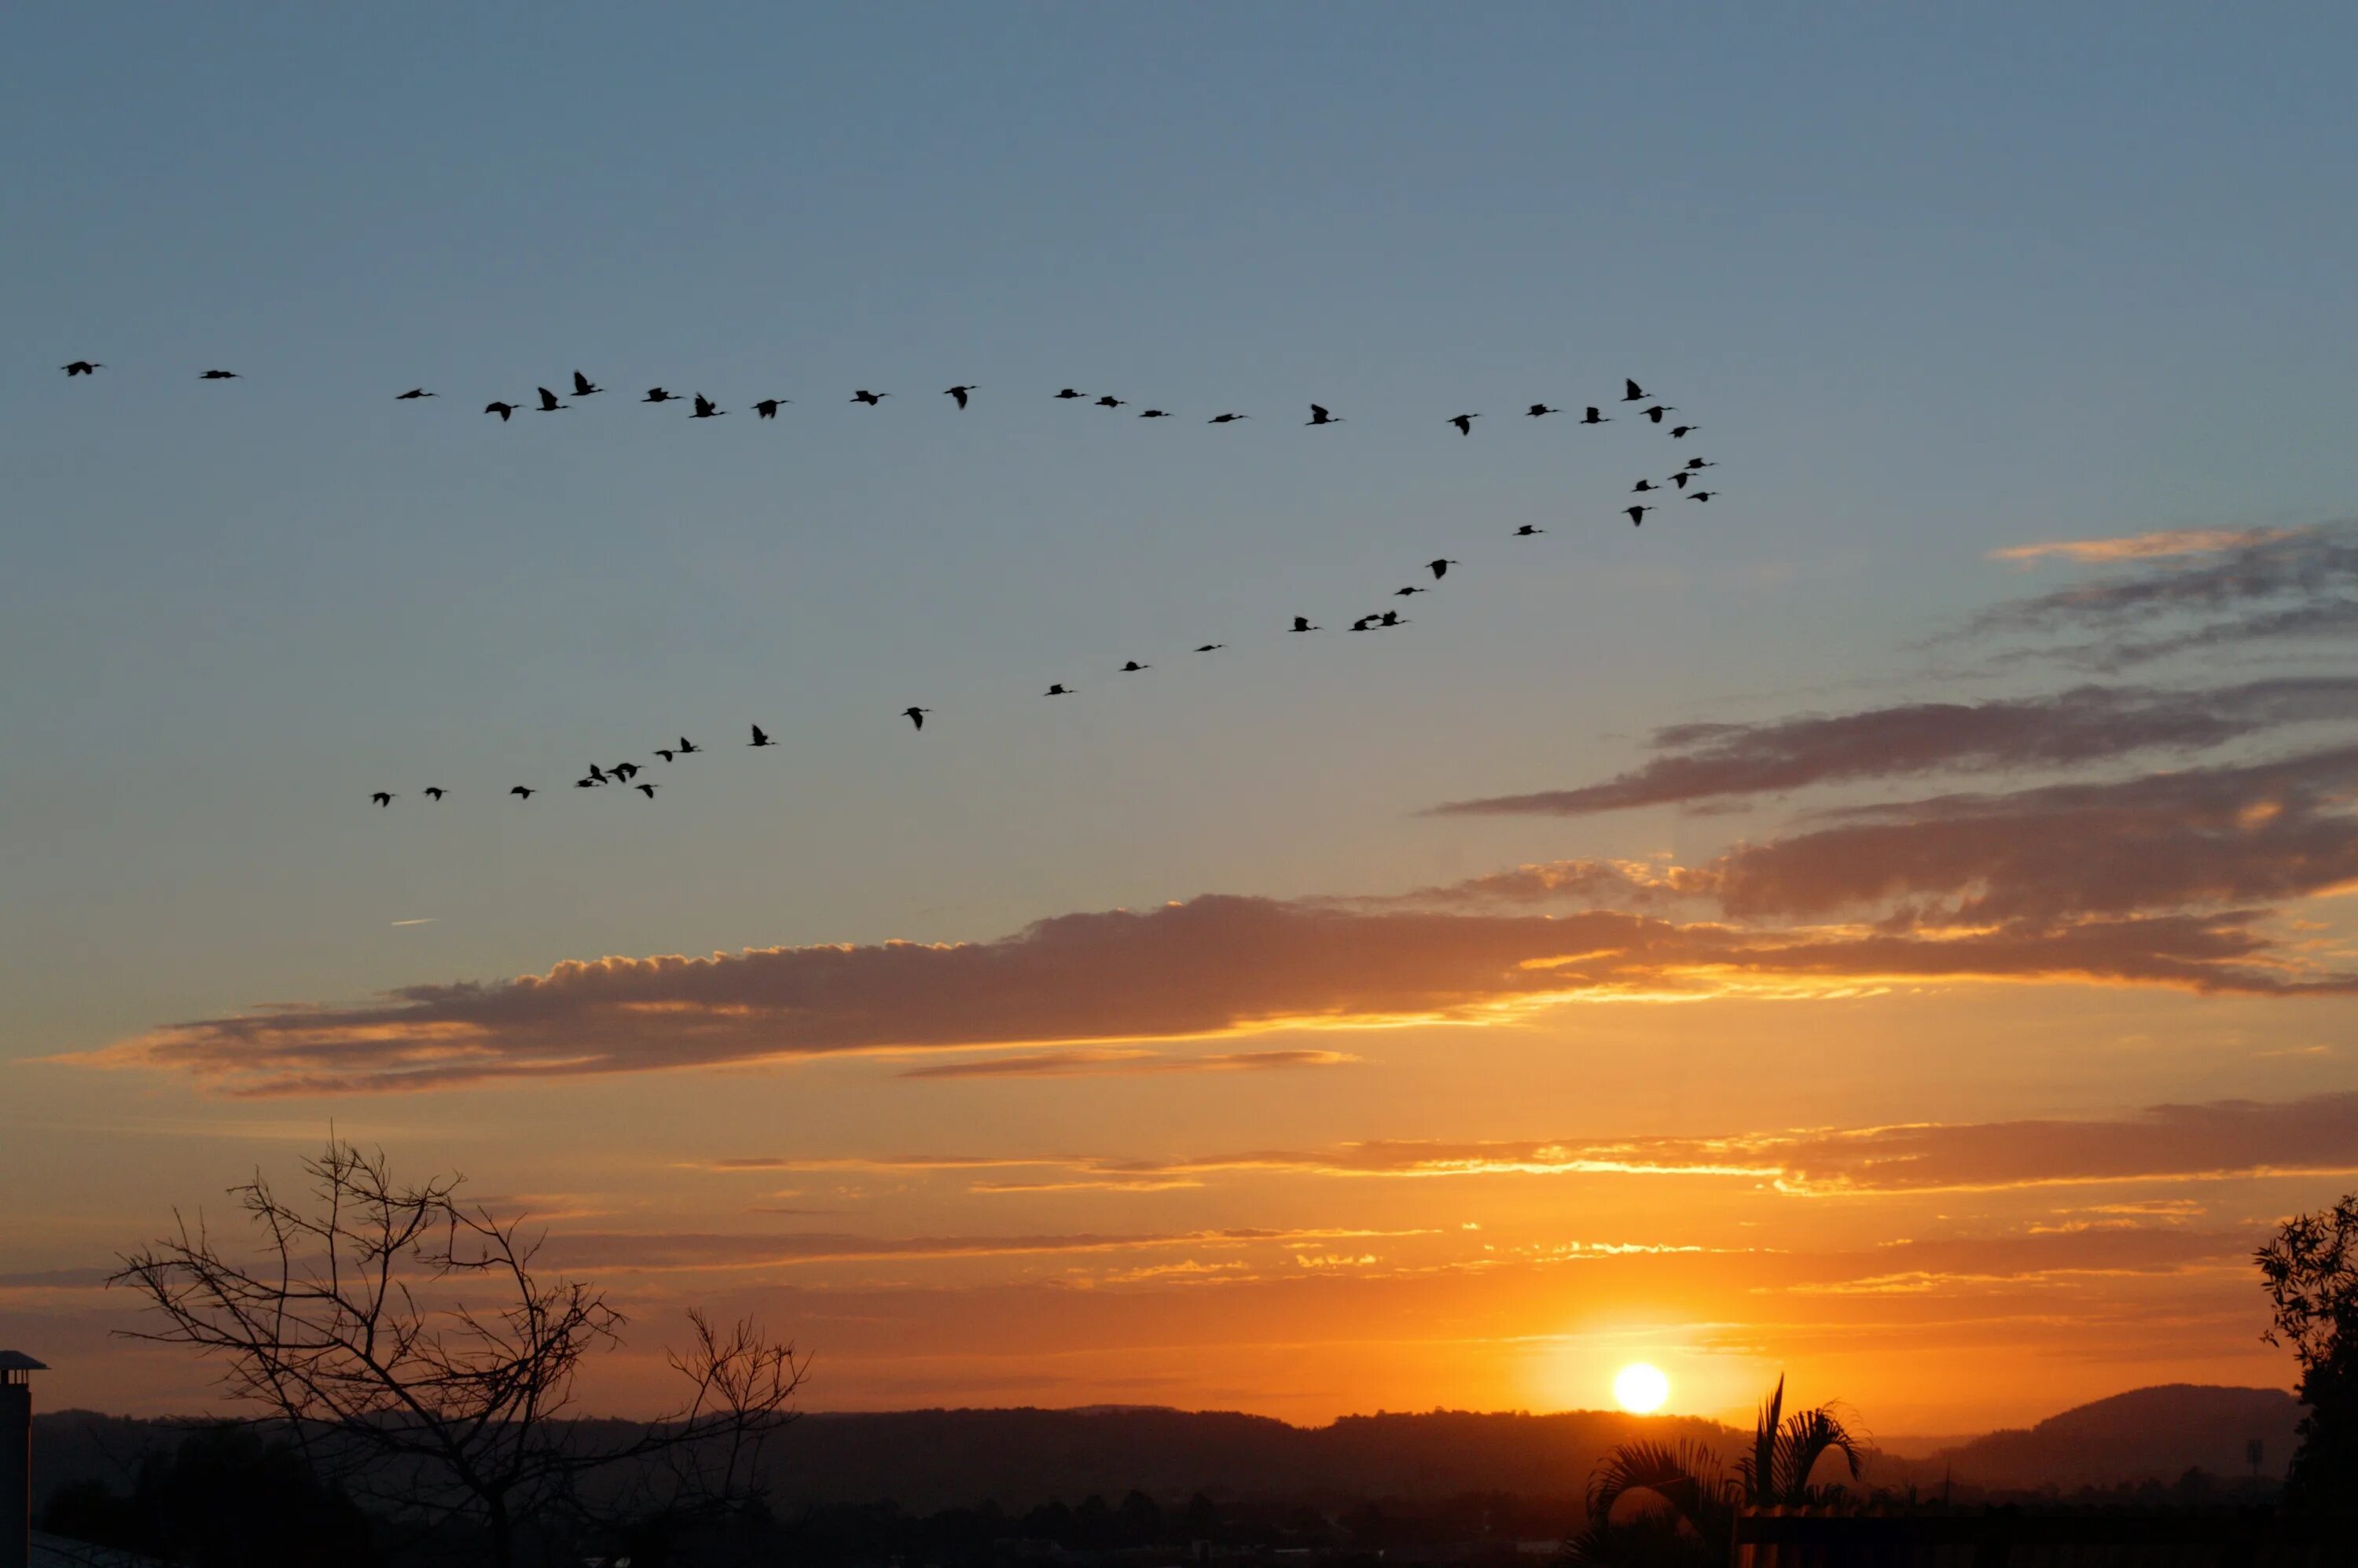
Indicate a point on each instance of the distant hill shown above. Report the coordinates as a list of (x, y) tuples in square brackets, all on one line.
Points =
[(940, 1458), (929, 1460), (2146, 1434)]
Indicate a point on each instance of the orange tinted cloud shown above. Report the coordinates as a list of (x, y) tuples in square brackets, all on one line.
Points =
[(1098, 1060), (2142, 546), (1213, 965), (2206, 1142)]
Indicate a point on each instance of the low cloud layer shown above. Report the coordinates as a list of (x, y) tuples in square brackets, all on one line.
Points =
[(1215, 966), (1108, 1060), (2212, 1141), (2170, 878), (1695, 763)]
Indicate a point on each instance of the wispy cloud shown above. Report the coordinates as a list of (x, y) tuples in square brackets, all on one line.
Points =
[(669, 1251), (2252, 589), (2208, 1140), (1718, 762), (2142, 546), (1108, 1060)]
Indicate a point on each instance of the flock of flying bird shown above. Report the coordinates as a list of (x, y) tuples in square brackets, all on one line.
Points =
[(626, 774)]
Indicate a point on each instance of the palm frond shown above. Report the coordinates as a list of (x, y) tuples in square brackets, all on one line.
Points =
[(1806, 1437), (1757, 1471), (1685, 1474)]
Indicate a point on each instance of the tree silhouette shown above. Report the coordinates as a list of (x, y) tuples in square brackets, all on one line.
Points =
[(2311, 1269), (413, 1351)]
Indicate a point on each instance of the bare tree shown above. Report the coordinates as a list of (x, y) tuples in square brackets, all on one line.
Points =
[(407, 1341)]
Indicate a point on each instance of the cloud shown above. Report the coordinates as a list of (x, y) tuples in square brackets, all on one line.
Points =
[(2169, 879), (2210, 1140), (1708, 762), (1100, 1060), (2256, 587), (1223, 966), (2142, 546), (2201, 837), (669, 1252), (2168, 864)]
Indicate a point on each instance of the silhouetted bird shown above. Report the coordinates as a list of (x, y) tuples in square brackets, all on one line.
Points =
[(869, 398), (1441, 568), (625, 772), (705, 408), (1464, 423), (584, 387), (219, 375), (382, 797), (595, 775), (1637, 516), (1411, 588), (81, 367), (1693, 463), (1536, 410), (657, 394), (760, 738), (1594, 418), (1363, 623), (768, 408), (1659, 410), (959, 393), (1068, 394), (414, 392), (502, 409), (1133, 666), (688, 747), (1681, 478), (548, 404), (1058, 689), (1225, 418), (435, 792), (1527, 530), (1679, 432), (587, 783), (915, 716), (665, 752), (1392, 618), (1635, 393), (1154, 414), (647, 790), (1302, 623), (1320, 416), (1211, 647), (1642, 487), (1111, 401), (1703, 495), (523, 793)]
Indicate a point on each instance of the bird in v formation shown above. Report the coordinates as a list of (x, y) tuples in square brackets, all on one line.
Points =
[(550, 402)]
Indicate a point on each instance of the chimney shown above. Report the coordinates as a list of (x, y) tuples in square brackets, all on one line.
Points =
[(17, 1458)]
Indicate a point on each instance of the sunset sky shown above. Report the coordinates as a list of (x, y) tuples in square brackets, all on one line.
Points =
[(1883, 926)]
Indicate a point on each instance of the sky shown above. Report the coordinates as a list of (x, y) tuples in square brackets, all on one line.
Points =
[(1882, 924)]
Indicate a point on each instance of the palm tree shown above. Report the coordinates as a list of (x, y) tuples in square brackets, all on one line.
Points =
[(1777, 1472), (1699, 1500)]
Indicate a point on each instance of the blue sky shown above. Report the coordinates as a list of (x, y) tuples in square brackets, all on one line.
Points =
[(1932, 280)]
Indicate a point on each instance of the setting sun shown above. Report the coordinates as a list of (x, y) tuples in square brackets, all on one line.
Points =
[(1641, 1389)]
